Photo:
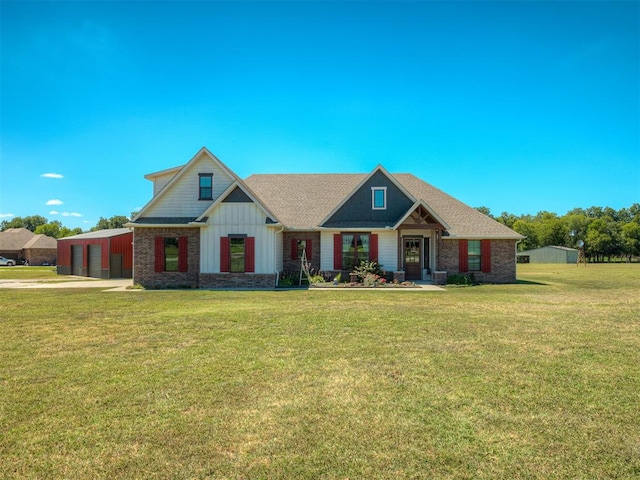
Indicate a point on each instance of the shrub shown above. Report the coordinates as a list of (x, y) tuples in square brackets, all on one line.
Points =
[(317, 279), (288, 280), (460, 279), (364, 268)]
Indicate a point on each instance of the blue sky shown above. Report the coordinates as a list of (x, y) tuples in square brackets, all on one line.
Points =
[(517, 106)]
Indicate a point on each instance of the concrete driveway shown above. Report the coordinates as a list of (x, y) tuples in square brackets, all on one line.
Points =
[(116, 285)]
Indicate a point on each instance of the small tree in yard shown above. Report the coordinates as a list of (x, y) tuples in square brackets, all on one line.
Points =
[(365, 268)]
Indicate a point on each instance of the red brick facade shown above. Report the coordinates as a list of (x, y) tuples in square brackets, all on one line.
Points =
[(291, 264), (237, 280), (503, 261), (144, 254)]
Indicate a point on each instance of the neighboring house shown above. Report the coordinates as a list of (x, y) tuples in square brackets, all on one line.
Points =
[(99, 254), (22, 244), (549, 254), (41, 250), (205, 227)]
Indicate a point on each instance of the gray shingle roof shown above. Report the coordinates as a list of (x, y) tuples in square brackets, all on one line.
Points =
[(302, 201), (13, 239), (41, 242)]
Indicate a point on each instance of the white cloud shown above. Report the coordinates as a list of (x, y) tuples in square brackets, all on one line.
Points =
[(54, 212), (71, 214), (55, 201), (52, 175), (6, 215)]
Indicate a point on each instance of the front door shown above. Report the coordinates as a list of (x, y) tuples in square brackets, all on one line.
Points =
[(412, 257)]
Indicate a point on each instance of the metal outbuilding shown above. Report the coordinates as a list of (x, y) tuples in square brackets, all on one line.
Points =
[(549, 254), (99, 254)]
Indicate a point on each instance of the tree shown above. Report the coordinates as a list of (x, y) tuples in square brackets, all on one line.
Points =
[(527, 228), (117, 221), (507, 219), (55, 229), (631, 239), (51, 229), (601, 238), (30, 223), (577, 224), (552, 230)]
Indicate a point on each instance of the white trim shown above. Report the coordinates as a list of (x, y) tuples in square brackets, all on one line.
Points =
[(373, 198), (427, 208)]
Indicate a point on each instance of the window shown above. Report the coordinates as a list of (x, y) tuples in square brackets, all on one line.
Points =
[(349, 249), (236, 255), (205, 186), (301, 247), (474, 253), (379, 198), (355, 248), (170, 254)]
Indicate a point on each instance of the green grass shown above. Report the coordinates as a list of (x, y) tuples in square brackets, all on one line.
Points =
[(535, 380), (29, 273)]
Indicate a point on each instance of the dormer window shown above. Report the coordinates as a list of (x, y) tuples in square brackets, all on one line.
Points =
[(205, 186), (379, 198)]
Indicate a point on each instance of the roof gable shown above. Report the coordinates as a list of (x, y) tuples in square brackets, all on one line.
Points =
[(179, 197), (238, 192), (41, 241), (356, 209), (420, 212)]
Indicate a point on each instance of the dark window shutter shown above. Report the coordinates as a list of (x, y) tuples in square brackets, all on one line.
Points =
[(183, 258), (337, 251), (294, 249), (224, 254), (308, 250), (485, 250), (250, 254), (463, 255), (159, 254), (373, 247)]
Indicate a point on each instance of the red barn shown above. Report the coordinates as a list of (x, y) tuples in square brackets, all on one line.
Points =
[(99, 254)]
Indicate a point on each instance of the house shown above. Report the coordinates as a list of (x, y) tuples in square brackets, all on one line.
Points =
[(205, 227), (40, 250), (21, 244), (98, 254), (549, 254)]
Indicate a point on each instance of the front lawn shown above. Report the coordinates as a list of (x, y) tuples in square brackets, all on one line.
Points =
[(28, 273), (535, 380)]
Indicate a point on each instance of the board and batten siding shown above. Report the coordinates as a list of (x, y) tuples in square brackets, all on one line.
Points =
[(181, 200), (387, 249), (237, 219)]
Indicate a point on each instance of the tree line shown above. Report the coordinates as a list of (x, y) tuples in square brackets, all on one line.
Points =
[(40, 225), (606, 233)]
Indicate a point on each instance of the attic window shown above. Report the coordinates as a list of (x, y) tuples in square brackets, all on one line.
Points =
[(205, 184), (379, 198)]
